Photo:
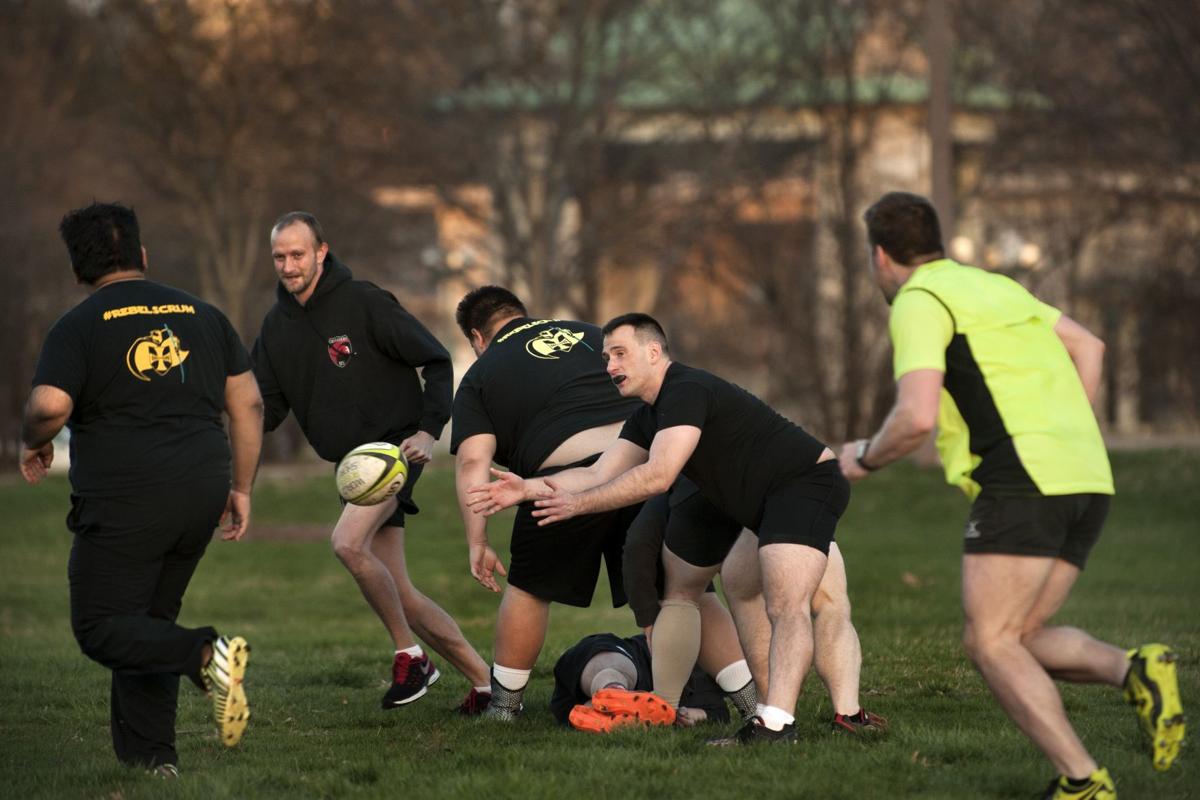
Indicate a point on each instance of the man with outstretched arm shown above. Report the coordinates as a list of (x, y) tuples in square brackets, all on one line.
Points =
[(758, 468), (536, 400), (1009, 382)]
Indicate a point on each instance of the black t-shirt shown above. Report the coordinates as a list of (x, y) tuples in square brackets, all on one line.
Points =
[(538, 383), (145, 365), (745, 446)]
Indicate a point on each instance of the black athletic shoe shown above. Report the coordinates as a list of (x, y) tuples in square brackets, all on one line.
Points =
[(756, 732), (411, 678)]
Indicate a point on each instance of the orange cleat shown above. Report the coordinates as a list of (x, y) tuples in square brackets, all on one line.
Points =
[(645, 707), (586, 718)]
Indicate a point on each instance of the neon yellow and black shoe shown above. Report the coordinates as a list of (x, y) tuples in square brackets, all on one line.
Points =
[(223, 678), (1099, 786), (1153, 690)]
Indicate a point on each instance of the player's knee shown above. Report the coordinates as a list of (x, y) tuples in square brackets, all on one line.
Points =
[(788, 605), (352, 554), (981, 644), (91, 636), (831, 604)]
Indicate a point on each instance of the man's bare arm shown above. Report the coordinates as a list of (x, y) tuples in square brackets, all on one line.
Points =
[(1086, 351)]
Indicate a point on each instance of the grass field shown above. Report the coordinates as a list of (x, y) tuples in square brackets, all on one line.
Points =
[(321, 659)]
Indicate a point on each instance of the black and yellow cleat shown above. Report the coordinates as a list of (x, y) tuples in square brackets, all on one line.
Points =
[(1152, 689), (1099, 786), (224, 675)]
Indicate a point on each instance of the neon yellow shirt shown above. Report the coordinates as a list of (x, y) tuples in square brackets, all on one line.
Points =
[(1014, 417)]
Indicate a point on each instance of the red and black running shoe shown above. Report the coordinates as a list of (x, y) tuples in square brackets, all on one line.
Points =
[(476, 702), (411, 678), (864, 723)]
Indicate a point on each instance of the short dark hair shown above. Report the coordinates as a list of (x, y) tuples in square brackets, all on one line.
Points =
[(906, 226), (102, 238), (644, 327), (479, 306), (292, 217)]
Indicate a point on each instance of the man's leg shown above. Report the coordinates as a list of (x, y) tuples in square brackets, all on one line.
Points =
[(676, 640), (838, 654), (1069, 654), (1000, 593), (352, 537), (520, 633), (126, 571), (427, 619), (741, 579), (721, 655), (143, 718), (791, 574)]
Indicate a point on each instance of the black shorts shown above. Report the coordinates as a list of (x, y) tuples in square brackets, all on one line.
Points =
[(404, 501), (1060, 526), (799, 509), (559, 563), (697, 531)]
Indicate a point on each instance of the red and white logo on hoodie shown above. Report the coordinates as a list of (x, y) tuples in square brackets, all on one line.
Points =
[(340, 350)]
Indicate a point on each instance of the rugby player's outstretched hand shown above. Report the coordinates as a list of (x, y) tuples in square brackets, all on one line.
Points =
[(557, 506), (236, 516), (485, 565), (36, 463), (507, 490)]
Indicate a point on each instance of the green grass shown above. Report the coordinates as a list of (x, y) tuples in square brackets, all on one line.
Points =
[(320, 660)]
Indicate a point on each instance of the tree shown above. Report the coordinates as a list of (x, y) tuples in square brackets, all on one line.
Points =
[(46, 71)]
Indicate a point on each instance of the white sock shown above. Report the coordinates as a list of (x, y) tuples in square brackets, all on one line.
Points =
[(485, 689), (512, 679), (734, 676), (759, 710), (415, 651), (775, 718)]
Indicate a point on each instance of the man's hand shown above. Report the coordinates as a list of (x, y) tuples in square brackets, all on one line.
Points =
[(848, 461), (557, 506), (418, 448), (507, 490), (237, 512), (35, 464), (485, 565)]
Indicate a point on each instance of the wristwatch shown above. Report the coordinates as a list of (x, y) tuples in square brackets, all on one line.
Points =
[(860, 453)]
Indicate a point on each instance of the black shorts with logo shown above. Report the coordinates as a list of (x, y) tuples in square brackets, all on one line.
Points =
[(560, 562), (801, 509), (1058, 526)]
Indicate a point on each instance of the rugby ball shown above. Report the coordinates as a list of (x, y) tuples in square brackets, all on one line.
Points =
[(371, 473)]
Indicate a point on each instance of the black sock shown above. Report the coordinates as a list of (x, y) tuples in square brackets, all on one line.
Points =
[(1080, 783)]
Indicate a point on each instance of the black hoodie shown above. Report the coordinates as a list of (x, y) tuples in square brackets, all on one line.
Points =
[(346, 363)]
